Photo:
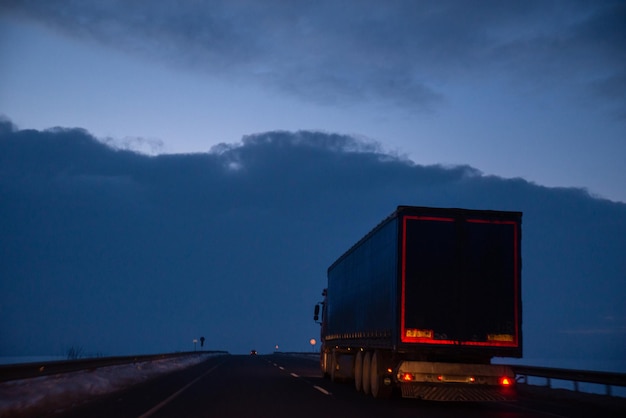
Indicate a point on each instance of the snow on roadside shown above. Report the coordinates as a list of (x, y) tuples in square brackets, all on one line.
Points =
[(49, 393)]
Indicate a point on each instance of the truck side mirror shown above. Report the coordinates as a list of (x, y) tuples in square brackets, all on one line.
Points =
[(316, 313)]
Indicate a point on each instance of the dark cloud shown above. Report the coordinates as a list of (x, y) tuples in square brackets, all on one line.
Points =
[(400, 52), (126, 253)]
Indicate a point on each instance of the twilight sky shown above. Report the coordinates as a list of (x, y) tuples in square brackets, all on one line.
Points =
[(214, 158), (530, 89)]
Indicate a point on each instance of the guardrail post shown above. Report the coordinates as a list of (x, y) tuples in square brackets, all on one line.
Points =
[(576, 385), (548, 382), (609, 390)]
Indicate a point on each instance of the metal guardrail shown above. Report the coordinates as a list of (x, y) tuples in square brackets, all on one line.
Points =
[(608, 379), (46, 368)]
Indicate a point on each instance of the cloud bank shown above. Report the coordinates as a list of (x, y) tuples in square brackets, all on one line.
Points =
[(403, 53), (124, 253)]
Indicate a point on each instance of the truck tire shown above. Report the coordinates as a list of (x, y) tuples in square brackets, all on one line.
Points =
[(378, 388), (358, 371), (367, 359)]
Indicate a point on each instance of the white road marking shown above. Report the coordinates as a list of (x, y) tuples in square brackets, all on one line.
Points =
[(321, 389), (324, 391)]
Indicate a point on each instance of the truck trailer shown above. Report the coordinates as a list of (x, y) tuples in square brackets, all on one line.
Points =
[(423, 303)]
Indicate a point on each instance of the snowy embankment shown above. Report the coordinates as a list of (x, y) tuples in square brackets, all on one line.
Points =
[(26, 397)]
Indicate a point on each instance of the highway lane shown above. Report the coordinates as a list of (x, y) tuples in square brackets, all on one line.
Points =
[(281, 386)]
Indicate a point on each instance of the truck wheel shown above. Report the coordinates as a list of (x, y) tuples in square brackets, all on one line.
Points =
[(358, 371), (367, 359), (377, 377)]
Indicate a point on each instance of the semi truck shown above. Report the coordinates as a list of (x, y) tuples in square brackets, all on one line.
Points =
[(423, 303)]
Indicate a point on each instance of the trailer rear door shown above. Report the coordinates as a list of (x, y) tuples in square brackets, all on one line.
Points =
[(460, 280)]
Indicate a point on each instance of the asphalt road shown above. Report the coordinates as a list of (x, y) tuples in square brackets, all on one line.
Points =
[(282, 386)]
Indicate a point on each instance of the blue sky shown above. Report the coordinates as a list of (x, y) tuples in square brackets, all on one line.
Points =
[(532, 89)]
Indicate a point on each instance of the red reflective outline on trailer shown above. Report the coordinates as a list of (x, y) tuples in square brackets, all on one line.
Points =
[(405, 339)]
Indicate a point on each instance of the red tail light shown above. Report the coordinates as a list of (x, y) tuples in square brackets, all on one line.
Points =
[(506, 381)]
